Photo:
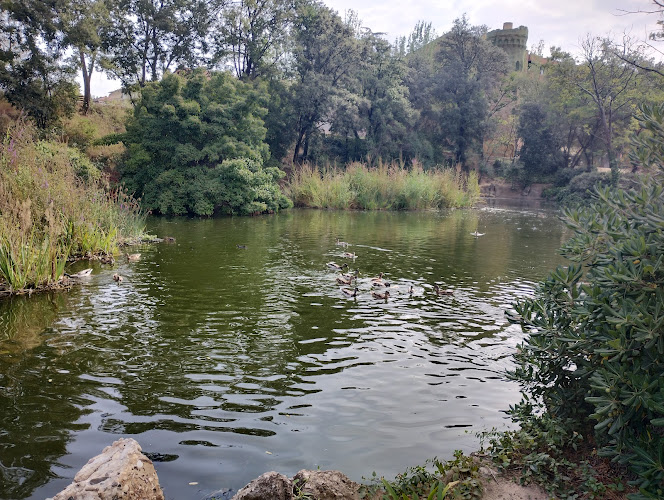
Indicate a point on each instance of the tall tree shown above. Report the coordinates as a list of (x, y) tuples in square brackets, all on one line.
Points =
[(251, 34), (83, 21), (326, 53), (453, 98), (385, 113), (147, 37), (610, 83), (32, 75)]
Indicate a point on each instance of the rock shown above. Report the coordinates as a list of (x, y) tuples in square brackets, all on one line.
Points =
[(269, 486), (119, 471), (325, 485), (311, 484)]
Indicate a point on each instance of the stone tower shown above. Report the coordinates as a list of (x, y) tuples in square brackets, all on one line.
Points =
[(514, 42)]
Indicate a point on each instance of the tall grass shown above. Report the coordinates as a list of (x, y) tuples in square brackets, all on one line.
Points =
[(385, 187), (53, 208)]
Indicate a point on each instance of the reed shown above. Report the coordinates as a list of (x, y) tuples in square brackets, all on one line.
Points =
[(54, 206), (384, 187)]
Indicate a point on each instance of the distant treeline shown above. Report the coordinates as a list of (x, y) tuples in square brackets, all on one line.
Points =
[(328, 90)]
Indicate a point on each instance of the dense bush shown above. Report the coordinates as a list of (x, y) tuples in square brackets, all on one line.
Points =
[(181, 137), (595, 352)]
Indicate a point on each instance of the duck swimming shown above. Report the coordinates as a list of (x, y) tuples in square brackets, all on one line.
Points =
[(381, 295), (85, 273), (334, 265), (117, 278), (349, 255), (133, 257), (349, 292), (378, 278), (438, 291), (342, 243), (345, 280)]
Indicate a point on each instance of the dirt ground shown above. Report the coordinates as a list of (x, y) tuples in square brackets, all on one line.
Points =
[(499, 487)]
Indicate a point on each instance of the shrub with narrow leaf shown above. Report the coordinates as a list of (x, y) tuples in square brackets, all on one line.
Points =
[(595, 352)]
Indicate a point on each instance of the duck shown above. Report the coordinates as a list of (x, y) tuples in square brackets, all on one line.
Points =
[(349, 255), (354, 275), (242, 247), (133, 257), (476, 234), (349, 292), (85, 273), (411, 290), (334, 265), (438, 291), (342, 243), (345, 280), (380, 295), (378, 284), (107, 259), (117, 278), (169, 239), (378, 278)]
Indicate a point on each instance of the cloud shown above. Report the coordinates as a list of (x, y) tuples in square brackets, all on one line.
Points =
[(562, 23)]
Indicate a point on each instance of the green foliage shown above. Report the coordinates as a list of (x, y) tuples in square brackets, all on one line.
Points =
[(30, 74), (540, 150), (195, 145), (543, 450), (53, 206), (386, 187), (144, 39), (596, 328), (458, 478)]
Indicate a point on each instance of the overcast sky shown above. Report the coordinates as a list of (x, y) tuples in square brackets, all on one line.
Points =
[(557, 22)]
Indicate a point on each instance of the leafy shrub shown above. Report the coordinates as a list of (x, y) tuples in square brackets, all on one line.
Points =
[(195, 144), (596, 346)]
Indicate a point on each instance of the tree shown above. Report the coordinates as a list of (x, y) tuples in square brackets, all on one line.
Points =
[(196, 145), (32, 76), (147, 37), (471, 70), (611, 84), (252, 33), (326, 53), (540, 150), (83, 20), (385, 113)]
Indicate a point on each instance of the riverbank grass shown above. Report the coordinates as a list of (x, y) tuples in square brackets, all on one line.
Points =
[(385, 187), (54, 206)]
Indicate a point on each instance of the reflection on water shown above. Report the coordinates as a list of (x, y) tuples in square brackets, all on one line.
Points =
[(225, 362)]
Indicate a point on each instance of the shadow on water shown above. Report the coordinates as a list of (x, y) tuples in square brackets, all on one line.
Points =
[(233, 351)]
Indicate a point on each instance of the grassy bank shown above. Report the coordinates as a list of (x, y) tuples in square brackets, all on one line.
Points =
[(386, 187), (54, 205)]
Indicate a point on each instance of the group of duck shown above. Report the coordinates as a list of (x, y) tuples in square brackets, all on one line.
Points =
[(86, 273), (380, 287)]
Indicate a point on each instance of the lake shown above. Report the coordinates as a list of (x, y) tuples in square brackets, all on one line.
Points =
[(227, 362)]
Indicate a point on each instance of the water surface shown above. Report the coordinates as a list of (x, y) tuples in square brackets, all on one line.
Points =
[(226, 362)]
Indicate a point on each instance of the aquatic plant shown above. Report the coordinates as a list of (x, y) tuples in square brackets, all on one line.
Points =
[(384, 187), (54, 204)]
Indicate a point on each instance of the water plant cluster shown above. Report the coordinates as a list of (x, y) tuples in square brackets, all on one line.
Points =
[(54, 206), (385, 187)]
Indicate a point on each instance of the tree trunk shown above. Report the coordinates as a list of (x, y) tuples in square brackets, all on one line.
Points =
[(86, 82)]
